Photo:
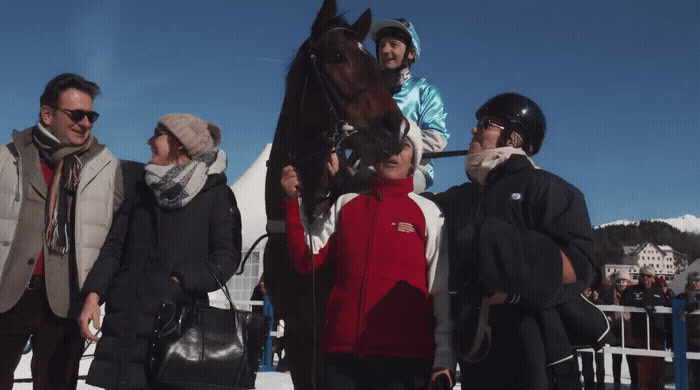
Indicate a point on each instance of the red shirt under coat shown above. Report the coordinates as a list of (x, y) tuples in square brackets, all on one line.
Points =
[(47, 170)]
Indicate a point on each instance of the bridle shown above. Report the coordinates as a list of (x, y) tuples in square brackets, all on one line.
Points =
[(341, 130)]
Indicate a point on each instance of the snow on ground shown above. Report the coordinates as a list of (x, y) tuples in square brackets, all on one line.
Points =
[(265, 380)]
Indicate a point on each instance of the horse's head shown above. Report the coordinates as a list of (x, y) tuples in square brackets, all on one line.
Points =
[(334, 80), (355, 84)]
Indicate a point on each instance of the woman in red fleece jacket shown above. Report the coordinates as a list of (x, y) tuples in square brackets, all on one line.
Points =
[(388, 316)]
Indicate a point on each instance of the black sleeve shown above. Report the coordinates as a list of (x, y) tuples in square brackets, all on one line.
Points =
[(562, 215), (518, 261), (109, 259), (626, 299), (224, 247)]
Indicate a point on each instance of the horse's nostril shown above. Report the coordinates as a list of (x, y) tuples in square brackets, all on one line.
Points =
[(392, 132), (393, 124)]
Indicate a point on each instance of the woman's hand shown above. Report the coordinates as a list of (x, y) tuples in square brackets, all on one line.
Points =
[(290, 182), (90, 312)]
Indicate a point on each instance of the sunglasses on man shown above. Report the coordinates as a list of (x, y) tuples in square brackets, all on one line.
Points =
[(484, 123), (78, 115)]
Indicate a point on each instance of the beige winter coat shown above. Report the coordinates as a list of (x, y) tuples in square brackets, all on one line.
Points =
[(22, 185)]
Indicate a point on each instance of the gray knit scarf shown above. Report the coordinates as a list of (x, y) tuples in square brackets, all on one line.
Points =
[(176, 185)]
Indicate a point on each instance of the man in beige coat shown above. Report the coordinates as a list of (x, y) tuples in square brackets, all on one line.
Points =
[(59, 189)]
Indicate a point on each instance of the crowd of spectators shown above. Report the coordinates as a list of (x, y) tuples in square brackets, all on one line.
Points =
[(629, 329)]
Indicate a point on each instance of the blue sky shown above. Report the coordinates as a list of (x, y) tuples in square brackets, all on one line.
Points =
[(619, 81)]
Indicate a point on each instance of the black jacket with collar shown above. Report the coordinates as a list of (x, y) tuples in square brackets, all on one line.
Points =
[(506, 235), (146, 246), (639, 296), (548, 213)]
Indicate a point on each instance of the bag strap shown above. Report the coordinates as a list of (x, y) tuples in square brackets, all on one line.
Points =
[(223, 287)]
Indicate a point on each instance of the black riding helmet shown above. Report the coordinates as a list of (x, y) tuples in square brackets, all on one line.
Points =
[(523, 115)]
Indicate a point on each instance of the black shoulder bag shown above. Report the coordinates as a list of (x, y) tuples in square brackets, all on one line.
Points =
[(198, 346)]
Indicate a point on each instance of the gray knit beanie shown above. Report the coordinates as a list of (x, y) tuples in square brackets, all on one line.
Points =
[(195, 134)]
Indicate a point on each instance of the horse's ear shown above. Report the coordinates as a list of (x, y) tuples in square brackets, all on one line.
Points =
[(327, 12), (362, 24)]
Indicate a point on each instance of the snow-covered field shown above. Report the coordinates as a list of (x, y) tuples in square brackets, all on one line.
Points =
[(265, 380)]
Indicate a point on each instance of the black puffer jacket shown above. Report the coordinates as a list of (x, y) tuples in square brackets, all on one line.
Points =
[(506, 236), (692, 299), (539, 206), (146, 246), (639, 296)]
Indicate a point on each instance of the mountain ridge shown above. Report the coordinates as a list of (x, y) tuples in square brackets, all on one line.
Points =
[(687, 223)]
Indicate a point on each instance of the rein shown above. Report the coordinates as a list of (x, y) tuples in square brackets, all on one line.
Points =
[(341, 129), (447, 153)]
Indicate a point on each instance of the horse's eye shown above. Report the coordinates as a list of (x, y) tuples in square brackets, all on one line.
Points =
[(336, 56)]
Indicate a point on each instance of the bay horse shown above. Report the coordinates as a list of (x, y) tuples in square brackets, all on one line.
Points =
[(335, 98)]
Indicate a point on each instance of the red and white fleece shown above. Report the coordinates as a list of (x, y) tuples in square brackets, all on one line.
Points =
[(390, 296)]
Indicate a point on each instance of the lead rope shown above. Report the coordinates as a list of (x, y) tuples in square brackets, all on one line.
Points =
[(314, 315)]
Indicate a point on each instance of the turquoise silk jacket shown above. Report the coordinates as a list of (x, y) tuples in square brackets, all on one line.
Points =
[(421, 102)]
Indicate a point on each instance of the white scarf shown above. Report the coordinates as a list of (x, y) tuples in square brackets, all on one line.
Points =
[(404, 75), (479, 165), (176, 185)]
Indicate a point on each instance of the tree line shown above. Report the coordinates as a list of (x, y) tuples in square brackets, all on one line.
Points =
[(610, 239)]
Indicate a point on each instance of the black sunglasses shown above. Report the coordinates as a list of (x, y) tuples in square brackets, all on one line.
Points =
[(78, 115), (158, 132), (485, 123)]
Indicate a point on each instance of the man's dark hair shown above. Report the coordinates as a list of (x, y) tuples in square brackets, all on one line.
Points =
[(63, 82)]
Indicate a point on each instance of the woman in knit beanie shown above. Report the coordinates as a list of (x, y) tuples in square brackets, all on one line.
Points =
[(180, 225)]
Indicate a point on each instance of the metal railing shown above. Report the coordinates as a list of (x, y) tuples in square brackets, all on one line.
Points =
[(679, 353)]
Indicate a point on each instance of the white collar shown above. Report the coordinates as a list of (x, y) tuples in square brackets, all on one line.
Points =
[(479, 165)]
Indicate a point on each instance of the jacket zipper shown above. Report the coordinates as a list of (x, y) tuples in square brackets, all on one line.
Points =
[(365, 277)]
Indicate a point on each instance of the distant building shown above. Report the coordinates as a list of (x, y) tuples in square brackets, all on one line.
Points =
[(667, 262)]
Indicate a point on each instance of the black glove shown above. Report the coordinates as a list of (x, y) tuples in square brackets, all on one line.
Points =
[(650, 310)]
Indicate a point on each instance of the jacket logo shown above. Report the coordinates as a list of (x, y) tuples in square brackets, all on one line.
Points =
[(404, 227), (516, 196)]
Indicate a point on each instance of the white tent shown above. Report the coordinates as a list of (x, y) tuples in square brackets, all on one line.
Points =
[(677, 285), (250, 195)]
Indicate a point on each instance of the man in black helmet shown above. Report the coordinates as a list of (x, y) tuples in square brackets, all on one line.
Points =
[(521, 252)]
